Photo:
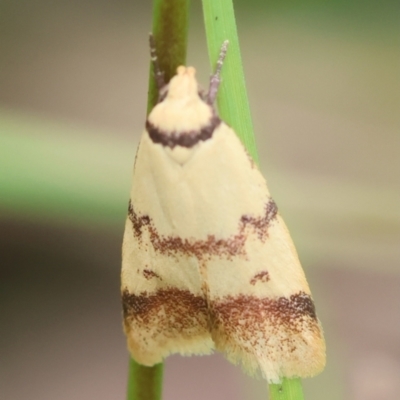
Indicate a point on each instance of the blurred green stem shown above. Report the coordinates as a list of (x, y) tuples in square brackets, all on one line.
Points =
[(144, 383)]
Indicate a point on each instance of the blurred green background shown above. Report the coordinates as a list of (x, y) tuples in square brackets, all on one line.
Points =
[(324, 87)]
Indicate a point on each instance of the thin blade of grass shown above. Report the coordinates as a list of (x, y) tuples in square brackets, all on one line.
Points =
[(289, 389), (233, 104), (144, 383)]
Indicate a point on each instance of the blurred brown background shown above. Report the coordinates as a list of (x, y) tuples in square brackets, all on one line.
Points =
[(324, 86)]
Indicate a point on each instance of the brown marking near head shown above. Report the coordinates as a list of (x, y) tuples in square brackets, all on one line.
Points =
[(149, 274), (184, 139), (170, 310), (262, 276), (212, 246)]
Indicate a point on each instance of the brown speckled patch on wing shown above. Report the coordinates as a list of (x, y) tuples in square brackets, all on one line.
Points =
[(262, 276), (260, 224), (289, 312), (149, 274), (281, 331), (212, 246), (179, 306), (163, 320)]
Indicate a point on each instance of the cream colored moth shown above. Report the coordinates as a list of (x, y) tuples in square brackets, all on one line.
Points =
[(207, 261)]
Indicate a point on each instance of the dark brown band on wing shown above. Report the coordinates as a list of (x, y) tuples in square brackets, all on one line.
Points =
[(233, 245), (282, 327), (170, 305), (248, 317), (184, 139), (283, 310)]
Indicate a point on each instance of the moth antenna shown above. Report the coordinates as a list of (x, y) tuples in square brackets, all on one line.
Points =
[(158, 74), (215, 79)]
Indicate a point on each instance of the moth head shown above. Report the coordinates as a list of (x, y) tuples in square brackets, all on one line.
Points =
[(183, 86), (182, 119)]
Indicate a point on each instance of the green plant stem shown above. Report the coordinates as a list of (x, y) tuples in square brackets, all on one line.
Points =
[(234, 108), (170, 27), (145, 383), (289, 389), (233, 104)]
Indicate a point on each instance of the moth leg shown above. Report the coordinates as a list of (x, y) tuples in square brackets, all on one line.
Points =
[(215, 79), (158, 74)]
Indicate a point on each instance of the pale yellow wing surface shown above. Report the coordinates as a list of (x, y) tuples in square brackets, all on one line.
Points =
[(207, 260)]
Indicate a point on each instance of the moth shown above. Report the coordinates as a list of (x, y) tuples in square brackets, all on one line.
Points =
[(207, 261)]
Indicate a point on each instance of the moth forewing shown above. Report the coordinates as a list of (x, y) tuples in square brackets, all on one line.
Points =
[(207, 260)]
